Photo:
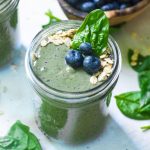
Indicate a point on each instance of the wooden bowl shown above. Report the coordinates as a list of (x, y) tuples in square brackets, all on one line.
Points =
[(115, 16)]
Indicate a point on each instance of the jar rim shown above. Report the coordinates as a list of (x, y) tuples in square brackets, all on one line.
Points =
[(66, 96)]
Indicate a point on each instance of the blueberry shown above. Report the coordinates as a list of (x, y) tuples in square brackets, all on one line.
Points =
[(72, 2), (86, 48), (123, 6), (110, 6), (74, 58), (91, 64), (99, 3), (87, 6)]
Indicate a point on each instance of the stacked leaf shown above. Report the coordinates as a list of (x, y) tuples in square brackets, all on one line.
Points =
[(136, 105)]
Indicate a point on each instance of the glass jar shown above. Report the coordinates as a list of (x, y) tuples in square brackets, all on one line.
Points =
[(8, 26), (71, 117)]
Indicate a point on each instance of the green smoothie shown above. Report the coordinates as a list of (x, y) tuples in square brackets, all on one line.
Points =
[(49, 66), (53, 71), (71, 103), (8, 34)]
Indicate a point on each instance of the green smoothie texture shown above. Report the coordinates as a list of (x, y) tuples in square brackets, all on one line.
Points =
[(53, 71)]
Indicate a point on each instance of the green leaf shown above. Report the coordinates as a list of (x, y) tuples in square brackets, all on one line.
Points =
[(33, 143), (52, 19), (144, 82), (19, 132), (95, 30), (7, 142), (129, 105), (19, 138), (143, 62), (145, 128)]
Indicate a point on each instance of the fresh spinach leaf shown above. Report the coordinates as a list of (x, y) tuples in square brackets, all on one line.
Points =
[(144, 82), (19, 138), (7, 142), (136, 105), (52, 19), (129, 105), (33, 143), (145, 128), (19, 131), (143, 62), (95, 30)]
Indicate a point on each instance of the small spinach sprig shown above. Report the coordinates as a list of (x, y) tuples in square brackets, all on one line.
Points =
[(94, 30), (19, 138), (145, 128), (52, 19)]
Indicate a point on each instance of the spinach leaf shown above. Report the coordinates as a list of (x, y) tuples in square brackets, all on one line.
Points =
[(144, 82), (7, 142), (95, 30), (20, 138), (33, 143), (129, 105), (136, 105), (19, 131), (52, 19), (143, 62), (145, 128)]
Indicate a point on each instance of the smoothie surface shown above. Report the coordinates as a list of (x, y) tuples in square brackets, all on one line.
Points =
[(53, 71)]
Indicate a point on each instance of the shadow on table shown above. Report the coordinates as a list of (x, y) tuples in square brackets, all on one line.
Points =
[(110, 136)]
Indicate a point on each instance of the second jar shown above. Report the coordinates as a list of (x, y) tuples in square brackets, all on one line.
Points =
[(8, 29)]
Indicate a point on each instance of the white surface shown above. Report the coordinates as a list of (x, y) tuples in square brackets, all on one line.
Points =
[(16, 95)]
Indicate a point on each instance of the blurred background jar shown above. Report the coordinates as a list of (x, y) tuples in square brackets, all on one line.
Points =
[(8, 29)]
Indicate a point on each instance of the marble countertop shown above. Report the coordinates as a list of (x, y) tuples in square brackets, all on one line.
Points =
[(16, 95)]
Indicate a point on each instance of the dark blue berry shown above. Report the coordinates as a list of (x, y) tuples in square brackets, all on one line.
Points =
[(110, 6), (123, 6), (85, 48), (91, 64), (74, 58), (87, 6)]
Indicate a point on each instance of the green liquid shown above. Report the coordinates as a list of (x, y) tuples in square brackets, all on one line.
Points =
[(72, 125), (55, 74), (7, 36)]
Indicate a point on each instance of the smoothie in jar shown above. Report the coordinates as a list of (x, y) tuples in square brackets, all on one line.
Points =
[(73, 81), (8, 29)]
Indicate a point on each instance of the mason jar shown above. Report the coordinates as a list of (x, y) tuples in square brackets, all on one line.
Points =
[(71, 117), (8, 29)]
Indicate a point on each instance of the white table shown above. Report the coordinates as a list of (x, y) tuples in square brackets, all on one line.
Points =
[(16, 95)]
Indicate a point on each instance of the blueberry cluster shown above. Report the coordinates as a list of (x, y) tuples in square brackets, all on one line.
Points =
[(105, 5), (83, 58)]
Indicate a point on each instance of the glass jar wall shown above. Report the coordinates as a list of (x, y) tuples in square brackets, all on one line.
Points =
[(8, 29)]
